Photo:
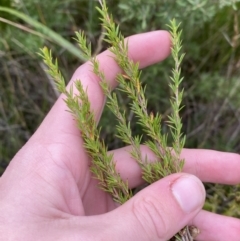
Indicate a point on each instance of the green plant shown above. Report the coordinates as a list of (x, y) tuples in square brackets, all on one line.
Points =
[(168, 159), (211, 39)]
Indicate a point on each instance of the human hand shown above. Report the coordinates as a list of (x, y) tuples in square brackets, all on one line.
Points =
[(48, 193)]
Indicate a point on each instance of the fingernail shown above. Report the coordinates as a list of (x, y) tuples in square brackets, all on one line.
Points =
[(189, 192)]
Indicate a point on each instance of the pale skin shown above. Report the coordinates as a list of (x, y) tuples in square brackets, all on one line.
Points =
[(48, 193)]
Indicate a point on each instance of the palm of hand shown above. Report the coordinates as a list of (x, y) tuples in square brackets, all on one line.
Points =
[(55, 190)]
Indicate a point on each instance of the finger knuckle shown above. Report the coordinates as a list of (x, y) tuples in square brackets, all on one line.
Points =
[(150, 216)]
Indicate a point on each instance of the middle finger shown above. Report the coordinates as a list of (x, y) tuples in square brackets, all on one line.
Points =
[(207, 165)]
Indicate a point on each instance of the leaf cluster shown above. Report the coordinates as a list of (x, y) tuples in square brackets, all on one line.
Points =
[(168, 159), (102, 166)]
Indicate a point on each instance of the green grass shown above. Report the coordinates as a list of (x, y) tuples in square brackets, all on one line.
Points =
[(211, 115)]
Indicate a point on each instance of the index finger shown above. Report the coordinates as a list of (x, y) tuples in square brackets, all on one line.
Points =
[(147, 49)]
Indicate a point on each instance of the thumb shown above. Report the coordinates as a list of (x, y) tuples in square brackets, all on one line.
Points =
[(159, 211)]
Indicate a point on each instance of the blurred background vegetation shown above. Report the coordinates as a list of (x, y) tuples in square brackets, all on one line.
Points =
[(211, 69)]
